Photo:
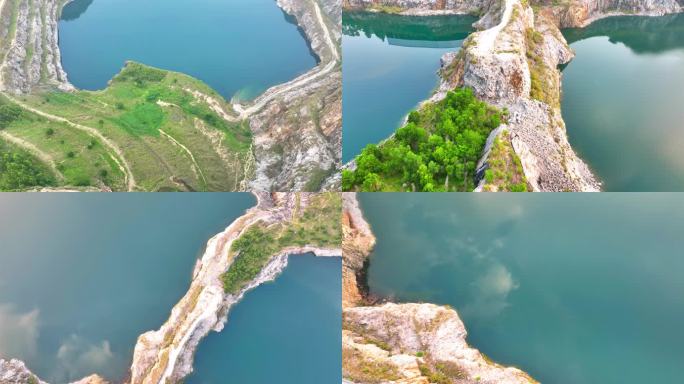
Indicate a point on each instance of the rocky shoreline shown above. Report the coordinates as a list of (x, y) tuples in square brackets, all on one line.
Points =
[(166, 355), (408, 343), (514, 45)]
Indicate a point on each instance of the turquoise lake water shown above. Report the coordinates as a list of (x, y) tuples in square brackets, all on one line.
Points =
[(622, 101), (572, 288), (231, 45), (390, 65), (82, 275), (286, 332)]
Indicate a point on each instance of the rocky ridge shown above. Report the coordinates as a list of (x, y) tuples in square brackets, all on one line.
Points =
[(166, 355), (298, 135), (512, 63), (32, 57), (411, 343)]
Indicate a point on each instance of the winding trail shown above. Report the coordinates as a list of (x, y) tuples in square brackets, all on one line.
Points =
[(44, 157), (301, 81), (184, 148), (486, 38), (120, 161)]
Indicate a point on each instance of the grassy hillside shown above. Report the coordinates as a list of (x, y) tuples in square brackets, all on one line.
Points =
[(319, 224), (149, 130)]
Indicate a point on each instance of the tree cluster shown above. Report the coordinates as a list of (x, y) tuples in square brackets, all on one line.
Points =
[(437, 150)]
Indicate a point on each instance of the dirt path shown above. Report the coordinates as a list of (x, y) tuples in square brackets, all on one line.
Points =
[(184, 148), (486, 38), (44, 157), (121, 160)]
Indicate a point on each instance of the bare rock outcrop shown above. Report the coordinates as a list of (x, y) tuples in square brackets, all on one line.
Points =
[(31, 56), (415, 344), (298, 135), (15, 372), (580, 13), (357, 243)]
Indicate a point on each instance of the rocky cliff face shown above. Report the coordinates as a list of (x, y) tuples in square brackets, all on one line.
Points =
[(580, 13), (357, 243), (403, 343), (415, 344), (30, 50), (298, 135)]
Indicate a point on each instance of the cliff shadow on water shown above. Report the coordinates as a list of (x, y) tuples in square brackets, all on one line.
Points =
[(641, 34), (75, 9), (421, 28)]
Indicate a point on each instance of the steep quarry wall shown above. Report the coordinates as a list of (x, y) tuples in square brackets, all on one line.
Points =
[(298, 135), (29, 47)]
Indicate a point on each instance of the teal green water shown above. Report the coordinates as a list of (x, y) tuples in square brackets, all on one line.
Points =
[(231, 45), (390, 65), (622, 101), (572, 288), (286, 332), (82, 275)]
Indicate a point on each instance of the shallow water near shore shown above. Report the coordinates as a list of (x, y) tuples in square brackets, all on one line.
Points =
[(622, 101), (390, 65), (83, 275), (571, 288), (231, 45), (287, 331)]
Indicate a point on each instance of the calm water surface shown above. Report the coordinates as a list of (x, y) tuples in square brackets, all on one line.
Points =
[(390, 65), (229, 44), (572, 288), (623, 101), (82, 275), (286, 332)]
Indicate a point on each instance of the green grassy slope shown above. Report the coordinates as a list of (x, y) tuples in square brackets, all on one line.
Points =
[(167, 133)]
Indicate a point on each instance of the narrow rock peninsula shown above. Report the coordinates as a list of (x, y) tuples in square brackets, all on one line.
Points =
[(281, 224), (512, 63), (166, 355), (403, 343)]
